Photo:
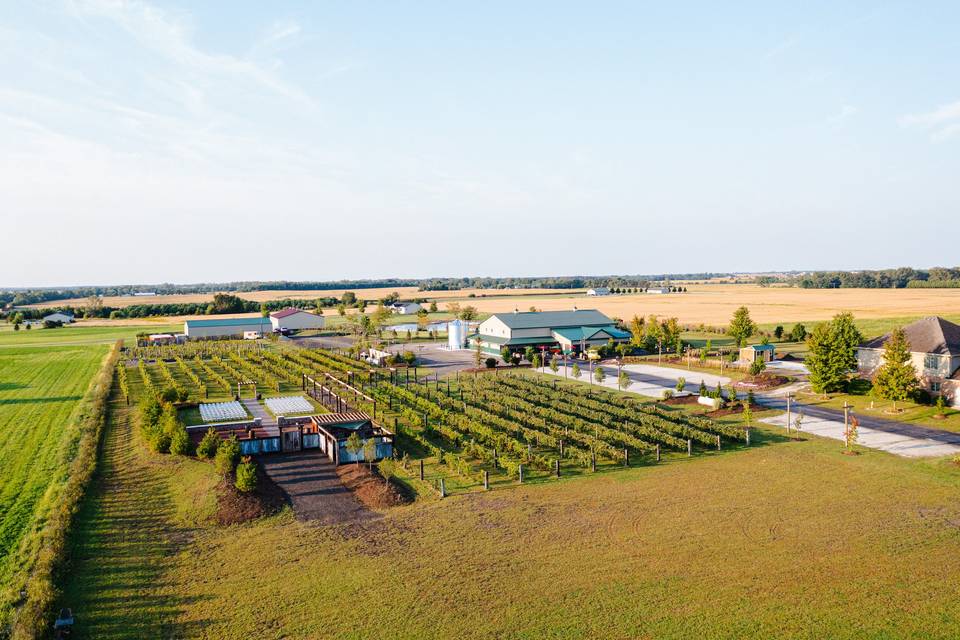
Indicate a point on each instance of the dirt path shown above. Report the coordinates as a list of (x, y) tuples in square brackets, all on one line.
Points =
[(314, 487)]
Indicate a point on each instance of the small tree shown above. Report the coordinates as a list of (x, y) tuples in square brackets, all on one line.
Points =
[(896, 378), (941, 406), (799, 332), (623, 381), (536, 362), (553, 365), (798, 423), (599, 375), (747, 413), (370, 451), (718, 394), (741, 326), (246, 475), (529, 353), (575, 371), (433, 306), (853, 432), (179, 441), (731, 393), (757, 367), (227, 455), (703, 388), (387, 469), (681, 383), (355, 446), (506, 355), (778, 332), (208, 446)]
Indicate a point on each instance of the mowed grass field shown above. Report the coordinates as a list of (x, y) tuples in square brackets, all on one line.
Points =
[(786, 539), (40, 387)]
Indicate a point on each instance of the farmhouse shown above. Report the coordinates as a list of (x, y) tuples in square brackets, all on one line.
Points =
[(65, 318), (225, 327), (405, 308), (294, 319), (570, 331), (598, 291), (935, 354)]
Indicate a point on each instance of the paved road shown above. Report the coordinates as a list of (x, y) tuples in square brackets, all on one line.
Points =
[(314, 488)]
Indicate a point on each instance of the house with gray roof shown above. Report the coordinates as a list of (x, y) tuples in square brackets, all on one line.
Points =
[(935, 354), (567, 331)]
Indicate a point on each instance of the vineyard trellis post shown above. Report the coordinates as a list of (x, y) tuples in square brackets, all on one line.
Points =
[(689, 447), (626, 457), (443, 489), (520, 472), (486, 480), (718, 443), (658, 452), (421, 468), (556, 464)]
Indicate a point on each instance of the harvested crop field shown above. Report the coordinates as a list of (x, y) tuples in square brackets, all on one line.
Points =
[(715, 304)]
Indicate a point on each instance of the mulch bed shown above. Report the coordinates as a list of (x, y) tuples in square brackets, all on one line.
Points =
[(235, 507), (729, 410), (764, 381), (369, 488), (680, 400)]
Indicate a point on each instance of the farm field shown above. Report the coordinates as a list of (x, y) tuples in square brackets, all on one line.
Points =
[(785, 539), (714, 305), (40, 388), (78, 334)]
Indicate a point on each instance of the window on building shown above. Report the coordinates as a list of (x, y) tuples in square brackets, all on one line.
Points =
[(931, 362), (935, 387)]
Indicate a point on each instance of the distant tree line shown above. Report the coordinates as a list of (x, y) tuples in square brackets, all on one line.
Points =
[(883, 279), (17, 297)]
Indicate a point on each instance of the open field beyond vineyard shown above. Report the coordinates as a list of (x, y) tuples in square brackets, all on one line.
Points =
[(712, 305), (40, 388)]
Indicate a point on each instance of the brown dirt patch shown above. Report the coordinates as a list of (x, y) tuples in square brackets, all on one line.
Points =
[(369, 488), (692, 399), (235, 507), (763, 381)]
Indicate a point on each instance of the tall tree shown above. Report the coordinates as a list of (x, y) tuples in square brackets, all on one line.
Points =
[(741, 326), (833, 353), (896, 379), (637, 331)]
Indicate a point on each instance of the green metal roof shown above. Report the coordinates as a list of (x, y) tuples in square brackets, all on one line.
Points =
[(230, 322), (589, 333), (553, 319), (514, 341), (761, 347)]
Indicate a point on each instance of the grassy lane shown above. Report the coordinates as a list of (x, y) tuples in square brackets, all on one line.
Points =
[(140, 511)]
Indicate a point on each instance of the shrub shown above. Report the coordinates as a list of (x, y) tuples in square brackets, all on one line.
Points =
[(681, 383), (703, 388), (180, 442), (922, 396), (246, 475), (757, 367), (941, 406), (667, 394), (491, 363), (208, 446), (227, 454), (409, 356)]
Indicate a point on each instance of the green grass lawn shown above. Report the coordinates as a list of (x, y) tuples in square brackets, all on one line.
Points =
[(866, 404), (40, 387), (784, 539), (74, 335)]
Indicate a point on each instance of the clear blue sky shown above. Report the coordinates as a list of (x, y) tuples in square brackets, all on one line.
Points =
[(157, 141)]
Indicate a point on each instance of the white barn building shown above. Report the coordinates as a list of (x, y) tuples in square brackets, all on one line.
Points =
[(295, 319), (598, 291), (405, 308), (65, 318)]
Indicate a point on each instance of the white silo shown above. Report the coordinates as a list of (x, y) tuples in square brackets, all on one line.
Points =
[(456, 335)]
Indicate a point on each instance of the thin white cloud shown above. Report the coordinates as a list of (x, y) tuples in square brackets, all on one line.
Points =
[(846, 111), (942, 122), (171, 38), (781, 47)]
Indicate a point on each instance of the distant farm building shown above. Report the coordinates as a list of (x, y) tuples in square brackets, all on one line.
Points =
[(226, 327), (658, 290), (64, 318), (752, 353), (598, 291), (405, 308), (162, 338), (570, 331), (935, 355), (295, 319)]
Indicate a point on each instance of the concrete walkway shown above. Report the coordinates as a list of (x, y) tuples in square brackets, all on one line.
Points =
[(648, 380), (257, 411)]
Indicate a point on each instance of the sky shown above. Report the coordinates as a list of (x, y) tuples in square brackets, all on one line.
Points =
[(147, 142)]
